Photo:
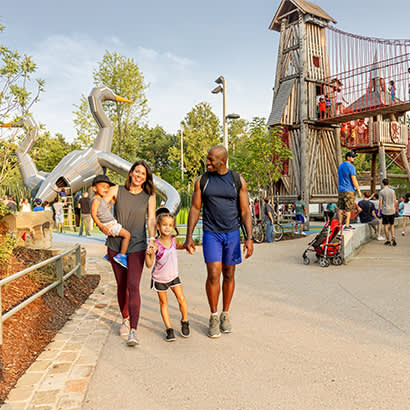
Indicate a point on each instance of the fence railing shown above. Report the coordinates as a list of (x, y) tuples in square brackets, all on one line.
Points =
[(58, 283)]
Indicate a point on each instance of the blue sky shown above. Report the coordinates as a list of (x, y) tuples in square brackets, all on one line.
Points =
[(181, 47)]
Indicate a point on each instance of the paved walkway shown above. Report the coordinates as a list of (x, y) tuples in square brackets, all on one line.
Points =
[(304, 337)]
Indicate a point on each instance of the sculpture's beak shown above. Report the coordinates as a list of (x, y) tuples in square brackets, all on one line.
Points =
[(6, 125), (120, 99)]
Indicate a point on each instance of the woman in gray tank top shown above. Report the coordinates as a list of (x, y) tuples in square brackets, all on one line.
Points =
[(134, 205)]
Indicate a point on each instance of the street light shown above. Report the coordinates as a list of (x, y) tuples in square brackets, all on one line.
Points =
[(222, 89)]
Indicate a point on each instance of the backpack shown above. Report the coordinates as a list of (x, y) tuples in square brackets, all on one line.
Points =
[(203, 183)]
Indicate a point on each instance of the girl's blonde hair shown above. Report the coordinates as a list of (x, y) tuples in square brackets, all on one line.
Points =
[(163, 215)]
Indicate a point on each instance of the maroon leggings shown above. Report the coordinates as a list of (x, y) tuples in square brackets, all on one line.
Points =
[(128, 285)]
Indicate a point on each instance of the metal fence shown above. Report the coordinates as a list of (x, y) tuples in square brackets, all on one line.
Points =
[(58, 283)]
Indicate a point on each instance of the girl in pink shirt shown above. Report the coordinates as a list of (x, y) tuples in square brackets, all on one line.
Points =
[(165, 273)]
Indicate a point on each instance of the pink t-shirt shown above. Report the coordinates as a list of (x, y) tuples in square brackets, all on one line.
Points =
[(166, 263)]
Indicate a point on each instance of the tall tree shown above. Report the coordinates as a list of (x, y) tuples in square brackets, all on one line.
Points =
[(18, 92), (201, 130), (261, 156), (123, 76)]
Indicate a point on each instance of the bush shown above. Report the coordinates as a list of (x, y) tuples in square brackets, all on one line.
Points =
[(7, 245)]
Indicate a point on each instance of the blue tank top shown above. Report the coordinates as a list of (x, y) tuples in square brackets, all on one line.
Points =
[(220, 204)]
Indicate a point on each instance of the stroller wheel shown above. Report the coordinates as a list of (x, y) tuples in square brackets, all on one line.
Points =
[(324, 262), (337, 260), (306, 260)]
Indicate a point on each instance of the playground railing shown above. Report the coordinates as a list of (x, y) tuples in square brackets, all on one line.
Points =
[(58, 283)]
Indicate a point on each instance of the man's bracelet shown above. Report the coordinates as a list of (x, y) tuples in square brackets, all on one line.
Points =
[(152, 238)]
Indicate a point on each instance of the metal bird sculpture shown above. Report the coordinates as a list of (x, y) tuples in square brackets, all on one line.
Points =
[(77, 169)]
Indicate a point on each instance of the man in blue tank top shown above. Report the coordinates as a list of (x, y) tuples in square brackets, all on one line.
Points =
[(223, 209)]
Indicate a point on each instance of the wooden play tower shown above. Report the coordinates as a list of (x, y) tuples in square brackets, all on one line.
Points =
[(317, 62)]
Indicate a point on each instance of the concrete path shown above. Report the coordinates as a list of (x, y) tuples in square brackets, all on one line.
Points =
[(304, 337)]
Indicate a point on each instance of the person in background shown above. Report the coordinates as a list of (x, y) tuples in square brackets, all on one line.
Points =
[(328, 105), (392, 90), (25, 205), (11, 204), (322, 108), (339, 101), (59, 214), (387, 203), (85, 206), (331, 209), (38, 205), (406, 212), (374, 199), (268, 219), (256, 208), (367, 215), (46, 205), (77, 209), (400, 207), (300, 211)]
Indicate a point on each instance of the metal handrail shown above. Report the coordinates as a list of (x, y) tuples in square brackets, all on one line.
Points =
[(59, 283)]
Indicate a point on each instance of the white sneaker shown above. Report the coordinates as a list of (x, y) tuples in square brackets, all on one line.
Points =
[(403, 233), (304, 234), (381, 238)]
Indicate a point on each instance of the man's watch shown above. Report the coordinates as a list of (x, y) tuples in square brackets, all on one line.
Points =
[(250, 237)]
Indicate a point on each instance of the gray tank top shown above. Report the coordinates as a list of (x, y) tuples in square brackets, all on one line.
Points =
[(131, 212), (104, 212)]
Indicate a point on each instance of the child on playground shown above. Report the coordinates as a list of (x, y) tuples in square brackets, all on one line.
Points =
[(165, 273), (101, 213), (406, 212), (392, 90)]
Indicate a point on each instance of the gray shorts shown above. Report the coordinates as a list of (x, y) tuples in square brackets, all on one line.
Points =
[(374, 222), (163, 287)]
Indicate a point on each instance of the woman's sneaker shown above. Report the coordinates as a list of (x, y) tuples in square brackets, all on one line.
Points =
[(121, 260), (185, 331), (132, 338), (170, 337), (125, 328), (225, 323)]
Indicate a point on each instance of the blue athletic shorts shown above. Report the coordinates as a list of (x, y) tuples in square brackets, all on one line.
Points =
[(300, 218), (222, 247)]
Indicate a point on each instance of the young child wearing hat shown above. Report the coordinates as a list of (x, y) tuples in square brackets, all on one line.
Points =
[(102, 215)]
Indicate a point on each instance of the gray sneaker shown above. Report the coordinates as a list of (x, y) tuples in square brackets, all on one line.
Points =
[(213, 330), (132, 338), (225, 323)]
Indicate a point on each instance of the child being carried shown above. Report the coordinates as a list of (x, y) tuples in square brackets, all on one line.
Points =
[(103, 217)]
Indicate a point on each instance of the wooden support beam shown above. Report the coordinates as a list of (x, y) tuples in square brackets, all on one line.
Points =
[(382, 161), (374, 171), (406, 164)]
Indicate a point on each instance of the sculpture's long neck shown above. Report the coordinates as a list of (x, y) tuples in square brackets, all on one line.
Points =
[(103, 141)]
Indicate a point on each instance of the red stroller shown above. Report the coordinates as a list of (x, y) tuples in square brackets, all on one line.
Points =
[(328, 245)]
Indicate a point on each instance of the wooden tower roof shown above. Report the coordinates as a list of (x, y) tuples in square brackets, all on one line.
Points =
[(289, 7)]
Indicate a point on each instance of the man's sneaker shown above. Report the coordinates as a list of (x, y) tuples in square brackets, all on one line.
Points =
[(132, 338), (213, 330), (185, 331), (381, 238), (107, 258), (124, 328), (393, 242), (170, 337), (304, 233), (121, 260), (225, 323), (403, 233), (387, 243)]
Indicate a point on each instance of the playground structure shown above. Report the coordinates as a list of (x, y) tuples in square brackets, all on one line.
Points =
[(318, 63), (77, 169)]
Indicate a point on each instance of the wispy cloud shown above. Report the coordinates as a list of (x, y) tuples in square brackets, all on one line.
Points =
[(67, 63)]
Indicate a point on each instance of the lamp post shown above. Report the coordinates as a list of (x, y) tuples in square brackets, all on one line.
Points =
[(182, 157), (222, 89)]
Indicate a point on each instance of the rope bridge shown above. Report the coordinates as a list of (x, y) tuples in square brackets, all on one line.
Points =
[(365, 76)]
